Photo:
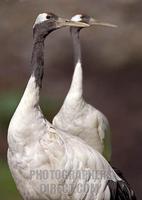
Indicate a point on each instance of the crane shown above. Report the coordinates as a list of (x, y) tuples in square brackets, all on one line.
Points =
[(36, 146), (76, 115)]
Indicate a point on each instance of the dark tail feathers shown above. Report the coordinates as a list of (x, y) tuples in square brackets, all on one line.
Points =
[(121, 190)]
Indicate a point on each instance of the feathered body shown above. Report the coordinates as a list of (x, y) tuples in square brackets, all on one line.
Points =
[(78, 117), (36, 146)]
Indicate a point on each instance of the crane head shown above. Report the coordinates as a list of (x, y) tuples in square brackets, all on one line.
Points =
[(90, 20), (48, 22)]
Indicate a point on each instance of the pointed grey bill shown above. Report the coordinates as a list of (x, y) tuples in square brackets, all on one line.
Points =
[(98, 23), (65, 22)]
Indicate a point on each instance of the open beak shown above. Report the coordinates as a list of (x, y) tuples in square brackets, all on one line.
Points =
[(98, 23), (65, 22)]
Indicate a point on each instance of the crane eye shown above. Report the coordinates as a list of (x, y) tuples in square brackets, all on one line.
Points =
[(48, 17)]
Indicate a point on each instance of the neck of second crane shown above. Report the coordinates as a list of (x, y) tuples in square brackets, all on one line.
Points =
[(76, 89)]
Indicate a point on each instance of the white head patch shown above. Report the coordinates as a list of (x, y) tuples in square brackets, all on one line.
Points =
[(76, 18), (40, 18)]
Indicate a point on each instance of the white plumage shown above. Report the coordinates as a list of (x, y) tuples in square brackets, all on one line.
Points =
[(36, 146), (78, 117), (40, 19), (55, 150)]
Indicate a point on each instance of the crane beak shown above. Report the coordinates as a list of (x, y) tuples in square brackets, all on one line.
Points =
[(98, 23), (65, 22)]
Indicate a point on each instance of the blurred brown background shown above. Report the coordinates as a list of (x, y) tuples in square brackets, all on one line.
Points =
[(112, 62)]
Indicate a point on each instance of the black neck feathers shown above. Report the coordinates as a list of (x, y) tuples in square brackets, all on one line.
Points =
[(37, 60)]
